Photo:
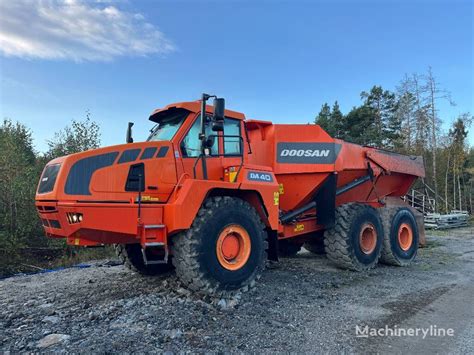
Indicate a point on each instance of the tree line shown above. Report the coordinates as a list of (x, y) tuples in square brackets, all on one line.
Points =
[(20, 169), (407, 120)]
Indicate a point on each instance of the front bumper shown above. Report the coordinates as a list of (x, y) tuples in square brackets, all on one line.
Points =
[(102, 223)]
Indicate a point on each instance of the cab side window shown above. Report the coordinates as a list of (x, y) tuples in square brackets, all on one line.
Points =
[(191, 144), (232, 145)]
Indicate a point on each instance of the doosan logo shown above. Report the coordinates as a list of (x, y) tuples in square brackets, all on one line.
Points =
[(305, 153)]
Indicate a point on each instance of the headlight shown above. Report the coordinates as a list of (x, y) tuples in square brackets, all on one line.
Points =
[(73, 217)]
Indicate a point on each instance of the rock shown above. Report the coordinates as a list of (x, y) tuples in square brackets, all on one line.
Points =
[(276, 323), (52, 339), (45, 305), (51, 319), (232, 303), (222, 303), (176, 333), (173, 334)]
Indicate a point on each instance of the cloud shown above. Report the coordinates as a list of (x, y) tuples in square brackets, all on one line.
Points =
[(76, 30)]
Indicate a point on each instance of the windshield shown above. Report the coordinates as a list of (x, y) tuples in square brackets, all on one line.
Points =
[(168, 124)]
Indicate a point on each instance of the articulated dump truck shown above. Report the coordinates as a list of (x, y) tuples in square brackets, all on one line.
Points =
[(214, 195)]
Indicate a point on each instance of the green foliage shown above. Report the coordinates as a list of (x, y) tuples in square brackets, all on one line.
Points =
[(18, 180), (360, 126), (79, 137), (324, 119), (407, 121), (332, 121), (20, 171), (338, 120)]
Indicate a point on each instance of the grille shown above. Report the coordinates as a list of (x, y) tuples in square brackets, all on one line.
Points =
[(48, 179)]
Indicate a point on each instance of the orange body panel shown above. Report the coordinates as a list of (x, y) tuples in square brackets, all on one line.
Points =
[(282, 167)]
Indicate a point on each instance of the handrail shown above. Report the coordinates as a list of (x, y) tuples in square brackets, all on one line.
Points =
[(241, 155)]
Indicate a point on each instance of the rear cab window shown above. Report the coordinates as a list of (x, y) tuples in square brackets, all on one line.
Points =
[(233, 144)]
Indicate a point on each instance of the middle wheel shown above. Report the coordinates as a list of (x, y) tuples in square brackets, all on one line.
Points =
[(355, 241), (225, 248)]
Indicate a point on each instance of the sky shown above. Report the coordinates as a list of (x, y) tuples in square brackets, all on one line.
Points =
[(272, 60)]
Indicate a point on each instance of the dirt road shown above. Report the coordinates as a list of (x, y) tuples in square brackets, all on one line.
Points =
[(302, 304)]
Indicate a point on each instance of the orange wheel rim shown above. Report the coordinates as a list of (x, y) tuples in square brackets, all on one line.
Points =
[(368, 238), (233, 247), (405, 236)]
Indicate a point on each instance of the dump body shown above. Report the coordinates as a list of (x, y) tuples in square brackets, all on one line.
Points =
[(91, 198), (303, 156)]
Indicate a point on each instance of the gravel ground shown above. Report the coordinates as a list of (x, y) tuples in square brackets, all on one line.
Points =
[(301, 304)]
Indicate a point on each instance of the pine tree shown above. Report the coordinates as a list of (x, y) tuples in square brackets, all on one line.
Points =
[(385, 124), (360, 126), (338, 121), (324, 119)]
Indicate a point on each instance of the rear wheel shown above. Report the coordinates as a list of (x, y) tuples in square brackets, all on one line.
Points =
[(131, 256), (400, 244), (355, 241), (224, 250)]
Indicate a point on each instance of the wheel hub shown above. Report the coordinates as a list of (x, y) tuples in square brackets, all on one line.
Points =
[(233, 247), (405, 236), (230, 246), (368, 238)]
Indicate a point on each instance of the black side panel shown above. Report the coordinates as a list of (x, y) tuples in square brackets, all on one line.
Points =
[(162, 152), (129, 155), (48, 179), (148, 153), (326, 202), (80, 175), (136, 178)]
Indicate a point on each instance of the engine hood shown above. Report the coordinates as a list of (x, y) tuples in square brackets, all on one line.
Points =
[(101, 175)]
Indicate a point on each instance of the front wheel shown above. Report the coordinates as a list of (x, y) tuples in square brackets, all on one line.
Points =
[(224, 250)]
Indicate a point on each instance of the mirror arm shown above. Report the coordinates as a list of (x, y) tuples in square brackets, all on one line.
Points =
[(202, 135)]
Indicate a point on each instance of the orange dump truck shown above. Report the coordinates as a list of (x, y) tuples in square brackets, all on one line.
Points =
[(214, 195)]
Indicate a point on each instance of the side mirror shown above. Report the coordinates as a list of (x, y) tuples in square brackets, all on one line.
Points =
[(129, 138), (219, 114)]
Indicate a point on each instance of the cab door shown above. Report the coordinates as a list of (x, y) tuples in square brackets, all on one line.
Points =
[(232, 147), (190, 150)]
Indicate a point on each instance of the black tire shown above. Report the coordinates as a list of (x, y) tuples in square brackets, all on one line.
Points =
[(288, 248), (131, 256), (315, 246), (392, 251), (342, 241), (194, 251)]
